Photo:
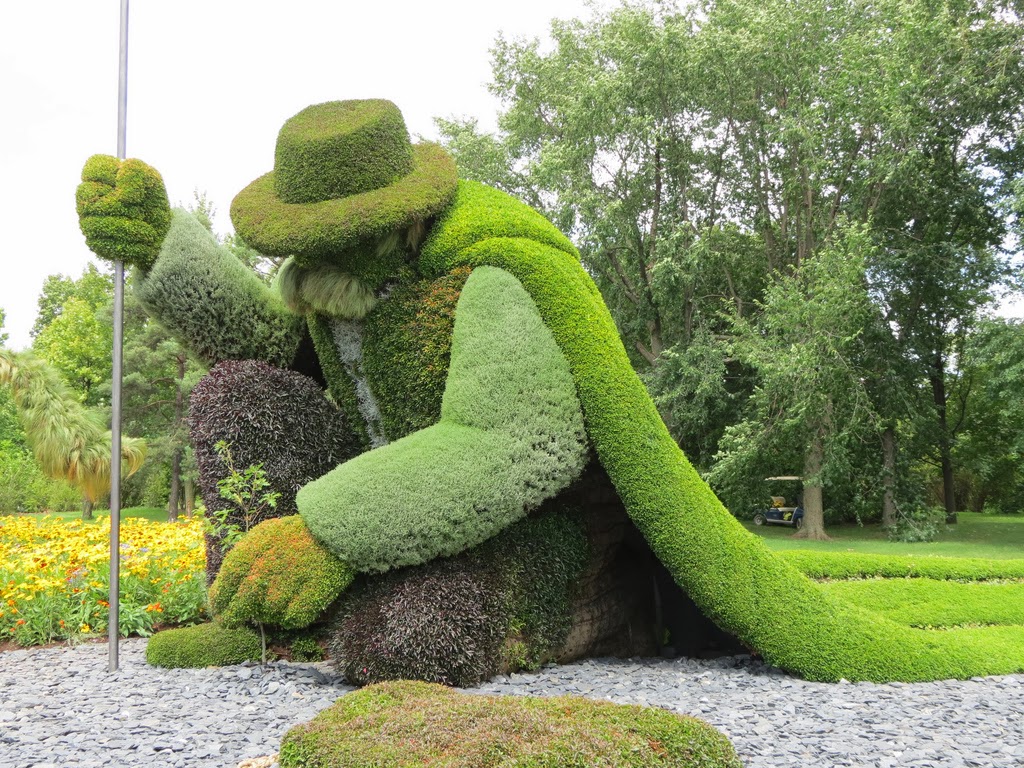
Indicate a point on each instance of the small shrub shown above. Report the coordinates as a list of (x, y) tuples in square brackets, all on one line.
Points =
[(406, 724), (203, 645), (919, 524)]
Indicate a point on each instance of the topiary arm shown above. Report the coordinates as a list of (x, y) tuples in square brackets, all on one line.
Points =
[(213, 303), (511, 435)]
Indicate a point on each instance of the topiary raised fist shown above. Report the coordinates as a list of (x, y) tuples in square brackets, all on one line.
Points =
[(122, 210)]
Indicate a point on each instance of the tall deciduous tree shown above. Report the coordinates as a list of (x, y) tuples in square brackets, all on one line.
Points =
[(808, 348)]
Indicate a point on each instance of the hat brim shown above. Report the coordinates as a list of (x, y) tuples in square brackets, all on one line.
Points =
[(318, 231)]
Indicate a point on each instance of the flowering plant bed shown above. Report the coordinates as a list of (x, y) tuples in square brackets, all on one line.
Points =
[(55, 577)]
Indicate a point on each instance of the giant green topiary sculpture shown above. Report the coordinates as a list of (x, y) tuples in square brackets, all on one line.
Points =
[(539, 413)]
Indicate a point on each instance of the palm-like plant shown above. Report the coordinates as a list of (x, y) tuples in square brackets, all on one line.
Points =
[(69, 441)]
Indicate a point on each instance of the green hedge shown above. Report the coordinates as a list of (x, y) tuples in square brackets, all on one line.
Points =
[(278, 575), (203, 645), (213, 303), (731, 575), (510, 437), (411, 724), (849, 565), (340, 148), (407, 349), (122, 209), (503, 605)]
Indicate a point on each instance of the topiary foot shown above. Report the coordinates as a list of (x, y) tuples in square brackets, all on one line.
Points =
[(278, 574)]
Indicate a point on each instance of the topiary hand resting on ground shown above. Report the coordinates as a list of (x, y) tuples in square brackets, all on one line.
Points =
[(482, 390)]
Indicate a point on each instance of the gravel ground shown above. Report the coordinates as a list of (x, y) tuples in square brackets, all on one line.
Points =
[(60, 707)]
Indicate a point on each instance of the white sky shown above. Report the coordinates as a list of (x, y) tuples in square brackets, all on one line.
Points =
[(210, 83)]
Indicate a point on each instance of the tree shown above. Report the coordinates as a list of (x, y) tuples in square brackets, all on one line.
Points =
[(808, 349), (78, 345), (94, 287), (72, 332), (697, 158), (68, 440), (159, 379), (989, 393), (3, 336)]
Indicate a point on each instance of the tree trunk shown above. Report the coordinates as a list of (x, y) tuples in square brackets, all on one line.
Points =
[(87, 509), (938, 382), (888, 477), (172, 503), (190, 498), (814, 511), (179, 418)]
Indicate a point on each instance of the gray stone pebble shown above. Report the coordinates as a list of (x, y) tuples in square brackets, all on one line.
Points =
[(60, 707), (776, 720)]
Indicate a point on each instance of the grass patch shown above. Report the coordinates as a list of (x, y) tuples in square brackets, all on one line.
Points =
[(929, 603), (992, 537)]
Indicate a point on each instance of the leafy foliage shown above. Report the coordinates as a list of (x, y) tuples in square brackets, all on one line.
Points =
[(457, 620), (67, 440), (78, 345), (411, 723), (122, 209), (94, 287), (277, 575), (246, 492), (277, 419), (407, 351), (231, 314), (510, 437), (203, 645)]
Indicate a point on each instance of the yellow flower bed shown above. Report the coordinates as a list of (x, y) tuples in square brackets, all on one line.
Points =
[(55, 576)]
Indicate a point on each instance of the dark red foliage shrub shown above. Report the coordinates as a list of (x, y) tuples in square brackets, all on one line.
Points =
[(278, 419)]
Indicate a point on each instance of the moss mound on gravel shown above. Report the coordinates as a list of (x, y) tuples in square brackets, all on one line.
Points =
[(399, 724)]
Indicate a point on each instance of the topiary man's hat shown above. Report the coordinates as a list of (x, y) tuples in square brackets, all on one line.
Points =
[(345, 174)]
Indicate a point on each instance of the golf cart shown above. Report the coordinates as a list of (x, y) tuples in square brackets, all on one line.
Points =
[(778, 512)]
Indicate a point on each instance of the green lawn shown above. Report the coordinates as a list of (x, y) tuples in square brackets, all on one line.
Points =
[(155, 514), (992, 537), (970, 580)]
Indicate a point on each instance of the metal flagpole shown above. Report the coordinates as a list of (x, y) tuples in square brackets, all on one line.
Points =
[(113, 629)]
